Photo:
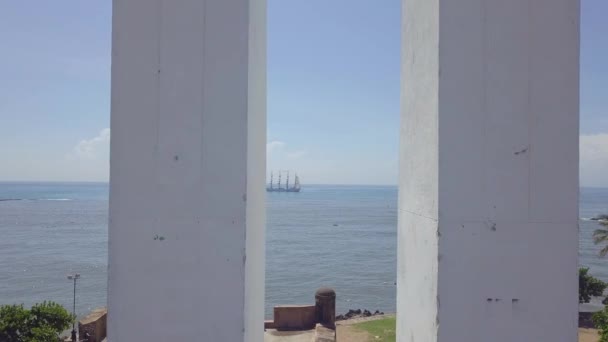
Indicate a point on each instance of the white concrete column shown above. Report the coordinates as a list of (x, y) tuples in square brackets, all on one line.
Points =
[(187, 194), (488, 218)]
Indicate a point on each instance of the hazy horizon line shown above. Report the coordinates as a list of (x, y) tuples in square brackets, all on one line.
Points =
[(107, 182), (304, 185)]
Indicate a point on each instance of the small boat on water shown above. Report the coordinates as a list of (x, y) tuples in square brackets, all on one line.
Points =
[(279, 187)]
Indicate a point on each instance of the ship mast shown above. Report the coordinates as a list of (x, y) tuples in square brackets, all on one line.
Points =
[(271, 179), (279, 179), (287, 183)]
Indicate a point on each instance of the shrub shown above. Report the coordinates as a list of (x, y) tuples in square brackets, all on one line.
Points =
[(600, 320), (589, 286), (42, 323)]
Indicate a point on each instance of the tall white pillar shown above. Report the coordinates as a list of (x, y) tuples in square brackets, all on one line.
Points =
[(187, 170), (488, 203)]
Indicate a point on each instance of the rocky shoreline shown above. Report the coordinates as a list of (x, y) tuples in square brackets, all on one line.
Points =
[(602, 217), (358, 313)]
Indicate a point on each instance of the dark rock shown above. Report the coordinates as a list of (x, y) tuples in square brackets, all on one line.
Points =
[(350, 314), (358, 313), (602, 217)]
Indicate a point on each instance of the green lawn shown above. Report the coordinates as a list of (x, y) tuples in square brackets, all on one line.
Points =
[(383, 328)]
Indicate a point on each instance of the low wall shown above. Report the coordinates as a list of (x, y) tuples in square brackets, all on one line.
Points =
[(93, 327), (294, 317)]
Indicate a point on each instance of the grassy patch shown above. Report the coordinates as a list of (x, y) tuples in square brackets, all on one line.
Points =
[(383, 328)]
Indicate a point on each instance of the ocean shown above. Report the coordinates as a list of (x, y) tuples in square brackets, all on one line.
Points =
[(338, 236)]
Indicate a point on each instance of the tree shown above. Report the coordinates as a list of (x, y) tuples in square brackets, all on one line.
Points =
[(42, 334), (52, 315), (589, 286), (13, 322), (42, 323), (600, 321), (601, 235)]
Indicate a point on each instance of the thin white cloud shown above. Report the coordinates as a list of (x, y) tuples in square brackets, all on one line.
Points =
[(94, 148), (273, 146), (594, 160)]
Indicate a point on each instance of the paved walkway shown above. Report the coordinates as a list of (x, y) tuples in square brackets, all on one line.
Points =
[(271, 335)]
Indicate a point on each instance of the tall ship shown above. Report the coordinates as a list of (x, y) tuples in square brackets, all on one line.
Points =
[(280, 187)]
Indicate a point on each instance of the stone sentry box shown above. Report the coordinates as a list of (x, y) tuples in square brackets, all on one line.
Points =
[(325, 304)]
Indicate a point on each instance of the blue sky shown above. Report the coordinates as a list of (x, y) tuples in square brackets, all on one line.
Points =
[(333, 90)]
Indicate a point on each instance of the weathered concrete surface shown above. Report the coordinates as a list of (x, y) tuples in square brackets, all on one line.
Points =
[(289, 336), (319, 334), (350, 333), (324, 334), (418, 249), (187, 212), (488, 200)]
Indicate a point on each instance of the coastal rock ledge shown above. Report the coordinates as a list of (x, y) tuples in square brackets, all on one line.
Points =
[(358, 314)]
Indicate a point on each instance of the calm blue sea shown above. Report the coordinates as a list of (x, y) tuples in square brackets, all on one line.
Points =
[(339, 236)]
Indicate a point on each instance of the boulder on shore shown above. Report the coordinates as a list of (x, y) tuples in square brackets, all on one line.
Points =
[(357, 314)]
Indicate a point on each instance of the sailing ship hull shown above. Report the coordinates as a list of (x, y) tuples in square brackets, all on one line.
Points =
[(282, 190)]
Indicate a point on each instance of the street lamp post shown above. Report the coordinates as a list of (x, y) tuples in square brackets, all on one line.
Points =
[(74, 277)]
